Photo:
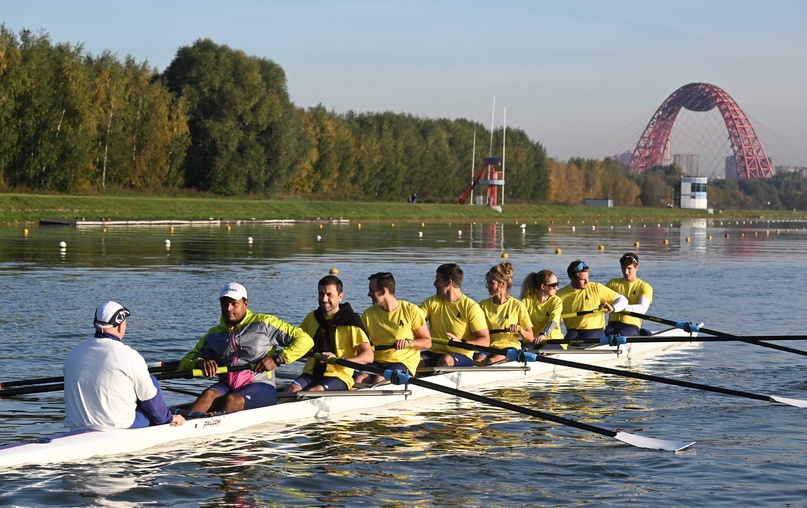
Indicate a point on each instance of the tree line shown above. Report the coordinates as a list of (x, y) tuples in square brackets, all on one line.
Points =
[(220, 121)]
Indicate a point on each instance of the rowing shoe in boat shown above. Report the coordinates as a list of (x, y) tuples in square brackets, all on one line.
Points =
[(82, 444)]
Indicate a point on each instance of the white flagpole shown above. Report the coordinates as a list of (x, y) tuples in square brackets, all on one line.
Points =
[(492, 115), (473, 166), (504, 133)]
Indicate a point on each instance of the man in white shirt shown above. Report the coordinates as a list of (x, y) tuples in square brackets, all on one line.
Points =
[(107, 383)]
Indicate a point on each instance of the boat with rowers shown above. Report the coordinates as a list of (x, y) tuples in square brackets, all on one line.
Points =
[(300, 408)]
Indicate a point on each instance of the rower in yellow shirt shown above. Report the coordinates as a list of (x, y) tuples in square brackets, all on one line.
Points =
[(337, 332), (396, 328), (582, 295), (503, 312), (539, 295), (452, 315), (638, 292)]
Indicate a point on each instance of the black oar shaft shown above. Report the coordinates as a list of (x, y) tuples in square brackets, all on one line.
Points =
[(164, 366), (649, 377), (25, 390), (717, 333), (484, 400), (646, 377), (178, 374)]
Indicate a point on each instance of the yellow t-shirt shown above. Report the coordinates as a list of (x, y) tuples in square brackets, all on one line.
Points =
[(386, 328), (346, 339), (577, 300), (462, 318), (512, 311), (632, 291), (542, 313)]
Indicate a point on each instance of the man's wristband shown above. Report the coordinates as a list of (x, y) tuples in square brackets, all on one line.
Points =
[(278, 359)]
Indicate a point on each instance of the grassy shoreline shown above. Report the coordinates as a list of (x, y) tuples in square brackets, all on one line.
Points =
[(29, 208)]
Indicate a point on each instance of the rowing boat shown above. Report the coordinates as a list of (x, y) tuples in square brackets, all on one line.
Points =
[(305, 407)]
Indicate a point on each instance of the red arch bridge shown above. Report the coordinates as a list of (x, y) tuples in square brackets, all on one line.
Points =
[(750, 158)]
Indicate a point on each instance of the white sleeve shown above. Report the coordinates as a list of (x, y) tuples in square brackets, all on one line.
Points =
[(641, 307), (620, 303)]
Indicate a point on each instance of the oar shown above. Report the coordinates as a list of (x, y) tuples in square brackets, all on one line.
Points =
[(691, 327), (512, 354), (613, 340), (154, 367), (579, 313), (646, 377), (179, 374), (401, 377)]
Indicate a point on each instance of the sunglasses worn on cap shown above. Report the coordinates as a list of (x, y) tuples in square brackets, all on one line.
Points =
[(117, 318), (627, 259), (581, 267)]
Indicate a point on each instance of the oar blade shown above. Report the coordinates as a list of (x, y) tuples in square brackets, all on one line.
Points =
[(652, 443), (789, 401)]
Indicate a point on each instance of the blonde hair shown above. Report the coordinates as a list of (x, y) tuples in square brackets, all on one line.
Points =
[(503, 272), (533, 282)]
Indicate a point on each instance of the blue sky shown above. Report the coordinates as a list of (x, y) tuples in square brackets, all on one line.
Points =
[(571, 73)]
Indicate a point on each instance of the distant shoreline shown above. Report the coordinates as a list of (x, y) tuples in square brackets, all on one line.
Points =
[(74, 209)]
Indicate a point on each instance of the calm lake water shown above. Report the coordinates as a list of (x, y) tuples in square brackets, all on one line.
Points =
[(737, 277)]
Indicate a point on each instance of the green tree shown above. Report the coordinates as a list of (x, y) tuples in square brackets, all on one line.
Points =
[(239, 119)]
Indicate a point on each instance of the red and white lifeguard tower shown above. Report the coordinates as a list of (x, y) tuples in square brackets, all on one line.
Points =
[(491, 174)]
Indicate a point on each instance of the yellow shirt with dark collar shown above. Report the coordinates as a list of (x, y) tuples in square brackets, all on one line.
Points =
[(346, 339), (578, 300), (632, 291), (542, 313), (386, 328), (462, 318), (512, 311)]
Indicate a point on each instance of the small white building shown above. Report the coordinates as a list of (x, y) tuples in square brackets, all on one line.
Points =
[(693, 192)]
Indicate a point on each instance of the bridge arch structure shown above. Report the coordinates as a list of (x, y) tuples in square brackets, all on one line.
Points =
[(750, 158)]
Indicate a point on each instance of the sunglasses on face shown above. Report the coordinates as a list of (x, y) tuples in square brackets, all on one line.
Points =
[(553, 285)]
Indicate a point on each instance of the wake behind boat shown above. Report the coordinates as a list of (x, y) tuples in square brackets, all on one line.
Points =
[(306, 407)]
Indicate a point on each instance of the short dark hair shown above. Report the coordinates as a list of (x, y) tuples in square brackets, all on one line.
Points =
[(629, 258), (576, 267), (329, 280), (384, 280), (452, 272)]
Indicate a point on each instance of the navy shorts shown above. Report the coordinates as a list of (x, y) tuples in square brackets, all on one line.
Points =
[(620, 328), (597, 333), (255, 394), (430, 359), (306, 381)]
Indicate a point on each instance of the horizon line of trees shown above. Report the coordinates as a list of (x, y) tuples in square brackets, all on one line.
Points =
[(218, 120)]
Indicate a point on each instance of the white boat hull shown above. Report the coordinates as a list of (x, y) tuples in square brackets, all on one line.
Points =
[(87, 443)]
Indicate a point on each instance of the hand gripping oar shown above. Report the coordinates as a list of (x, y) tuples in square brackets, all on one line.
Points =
[(186, 374), (646, 377), (402, 377), (691, 327), (155, 367), (579, 313)]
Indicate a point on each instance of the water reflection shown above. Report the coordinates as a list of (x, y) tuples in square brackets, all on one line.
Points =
[(443, 451)]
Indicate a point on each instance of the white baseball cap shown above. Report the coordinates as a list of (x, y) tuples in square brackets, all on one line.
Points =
[(110, 314), (233, 290)]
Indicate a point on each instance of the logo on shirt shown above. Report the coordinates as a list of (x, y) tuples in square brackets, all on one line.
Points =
[(400, 323), (459, 315)]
